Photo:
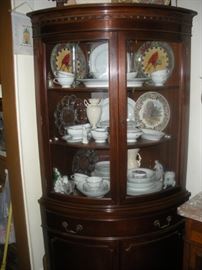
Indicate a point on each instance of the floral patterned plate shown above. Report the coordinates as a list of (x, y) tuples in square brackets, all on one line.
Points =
[(152, 111)]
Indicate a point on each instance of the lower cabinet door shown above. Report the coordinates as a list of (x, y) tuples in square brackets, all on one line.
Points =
[(80, 254), (164, 253)]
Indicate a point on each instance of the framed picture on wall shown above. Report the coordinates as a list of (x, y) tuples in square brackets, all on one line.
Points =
[(22, 34)]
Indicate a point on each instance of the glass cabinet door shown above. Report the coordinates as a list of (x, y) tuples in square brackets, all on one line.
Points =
[(79, 119), (152, 119)]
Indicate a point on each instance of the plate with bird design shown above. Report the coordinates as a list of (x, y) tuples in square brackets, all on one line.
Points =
[(153, 56), (68, 57)]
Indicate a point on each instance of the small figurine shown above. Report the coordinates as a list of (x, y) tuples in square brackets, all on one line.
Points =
[(61, 183), (56, 174), (169, 179), (159, 170)]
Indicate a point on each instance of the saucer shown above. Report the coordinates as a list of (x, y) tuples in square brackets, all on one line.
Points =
[(72, 140), (94, 193)]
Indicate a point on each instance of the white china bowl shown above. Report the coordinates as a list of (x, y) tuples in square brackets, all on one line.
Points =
[(151, 134), (77, 130), (99, 136), (65, 82), (131, 75), (141, 175), (159, 77)]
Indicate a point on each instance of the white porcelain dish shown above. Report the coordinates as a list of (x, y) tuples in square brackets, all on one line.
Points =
[(136, 82), (95, 83), (74, 140), (141, 175), (99, 136)]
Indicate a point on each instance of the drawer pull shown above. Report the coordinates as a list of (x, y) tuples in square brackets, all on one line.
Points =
[(78, 228), (158, 224)]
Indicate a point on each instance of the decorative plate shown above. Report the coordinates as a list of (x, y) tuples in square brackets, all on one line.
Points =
[(62, 58), (70, 110), (84, 161), (152, 111), (153, 56), (105, 110), (99, 61)]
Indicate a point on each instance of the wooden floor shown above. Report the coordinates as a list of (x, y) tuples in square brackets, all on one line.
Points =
[(11, 262)]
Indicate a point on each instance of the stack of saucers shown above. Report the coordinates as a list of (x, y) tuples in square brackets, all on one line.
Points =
[(142, 181)]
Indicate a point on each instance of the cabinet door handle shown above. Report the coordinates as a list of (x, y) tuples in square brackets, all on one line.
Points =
[(157, 223), (77, 229)]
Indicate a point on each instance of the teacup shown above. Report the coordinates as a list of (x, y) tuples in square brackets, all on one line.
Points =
[(159, 77), (94, 183), (61, 73), (65, 82)]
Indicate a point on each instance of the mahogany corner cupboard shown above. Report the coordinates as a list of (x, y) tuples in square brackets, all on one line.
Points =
[(112, 92)]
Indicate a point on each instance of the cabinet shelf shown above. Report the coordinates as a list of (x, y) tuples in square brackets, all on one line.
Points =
[(105, 89), (90, 145), (93, 145)]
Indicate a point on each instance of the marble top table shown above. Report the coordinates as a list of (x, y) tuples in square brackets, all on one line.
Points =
[(192, 209)]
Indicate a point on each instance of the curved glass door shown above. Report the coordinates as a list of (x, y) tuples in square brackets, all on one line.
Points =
[(79, 119), (152, 79)]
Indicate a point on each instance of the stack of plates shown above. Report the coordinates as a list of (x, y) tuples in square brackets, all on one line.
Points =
[(142, 181)]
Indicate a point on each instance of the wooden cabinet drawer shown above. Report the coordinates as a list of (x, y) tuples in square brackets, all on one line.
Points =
[(111, 227)]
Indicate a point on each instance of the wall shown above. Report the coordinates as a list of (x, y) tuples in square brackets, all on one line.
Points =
[(194, 168), (28, 143), (28, 136)]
